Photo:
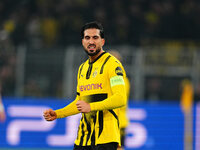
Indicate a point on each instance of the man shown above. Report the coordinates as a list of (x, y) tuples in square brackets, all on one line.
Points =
[(123, 119), (100, 94)]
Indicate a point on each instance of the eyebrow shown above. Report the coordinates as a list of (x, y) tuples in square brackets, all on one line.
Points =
[(92, 36)]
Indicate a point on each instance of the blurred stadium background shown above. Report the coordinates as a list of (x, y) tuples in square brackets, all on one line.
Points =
[(40, 51)]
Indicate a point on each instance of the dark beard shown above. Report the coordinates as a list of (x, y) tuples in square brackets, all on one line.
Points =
[(93, 54)]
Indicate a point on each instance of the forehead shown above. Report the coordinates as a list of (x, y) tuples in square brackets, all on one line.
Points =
[(92, 32)]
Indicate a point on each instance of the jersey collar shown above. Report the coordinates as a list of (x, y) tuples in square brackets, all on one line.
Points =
[(96, 58)]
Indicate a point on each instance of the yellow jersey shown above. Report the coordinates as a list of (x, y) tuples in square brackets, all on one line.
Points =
[(123, 118), (101, 84)]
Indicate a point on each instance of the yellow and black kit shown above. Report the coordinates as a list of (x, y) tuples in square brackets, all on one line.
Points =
[(100, 83)]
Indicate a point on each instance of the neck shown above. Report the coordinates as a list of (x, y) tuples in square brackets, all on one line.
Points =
[(93, 58)]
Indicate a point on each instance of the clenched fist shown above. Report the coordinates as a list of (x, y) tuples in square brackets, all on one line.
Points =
[(83, 107), (49, 115)]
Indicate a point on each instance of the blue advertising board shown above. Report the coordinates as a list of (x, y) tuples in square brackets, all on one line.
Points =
[(152, 126)]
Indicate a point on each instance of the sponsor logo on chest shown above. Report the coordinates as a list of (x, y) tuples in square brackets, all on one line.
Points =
[(89, 87)]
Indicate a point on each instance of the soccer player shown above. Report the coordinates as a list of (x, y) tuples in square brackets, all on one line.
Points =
[(123, 119), (100, 94)]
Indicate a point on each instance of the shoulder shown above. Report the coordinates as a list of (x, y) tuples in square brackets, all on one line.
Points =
[(115, 66), (113, 60), (85, 62)]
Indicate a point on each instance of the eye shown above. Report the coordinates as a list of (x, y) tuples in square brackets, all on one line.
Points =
[(87, 37), (95, 37)]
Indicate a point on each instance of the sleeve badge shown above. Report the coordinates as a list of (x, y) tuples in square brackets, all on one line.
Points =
[(119, 71)]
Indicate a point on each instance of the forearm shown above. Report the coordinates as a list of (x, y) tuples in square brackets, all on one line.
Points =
[(118, 99), (69, 110)]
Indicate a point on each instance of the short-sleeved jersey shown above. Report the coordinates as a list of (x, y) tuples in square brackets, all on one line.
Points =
[(100, 83)]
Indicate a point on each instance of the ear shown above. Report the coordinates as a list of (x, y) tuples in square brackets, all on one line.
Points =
[(82, 41), (102, 42)]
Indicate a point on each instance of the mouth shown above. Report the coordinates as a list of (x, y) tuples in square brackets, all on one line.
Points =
[(91, 47)]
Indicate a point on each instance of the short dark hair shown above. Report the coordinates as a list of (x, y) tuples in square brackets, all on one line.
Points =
[(91, 25)]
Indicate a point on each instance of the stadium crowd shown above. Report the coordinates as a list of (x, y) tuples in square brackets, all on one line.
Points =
[(41, 24), (51, 22)]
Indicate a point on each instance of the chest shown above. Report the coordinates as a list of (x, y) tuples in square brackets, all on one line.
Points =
[(93, 78)]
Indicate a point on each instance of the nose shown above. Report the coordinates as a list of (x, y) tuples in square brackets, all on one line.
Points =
[(91, 41)]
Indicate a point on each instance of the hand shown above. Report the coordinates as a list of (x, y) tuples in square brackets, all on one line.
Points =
[(83, 107), (49, 115)]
